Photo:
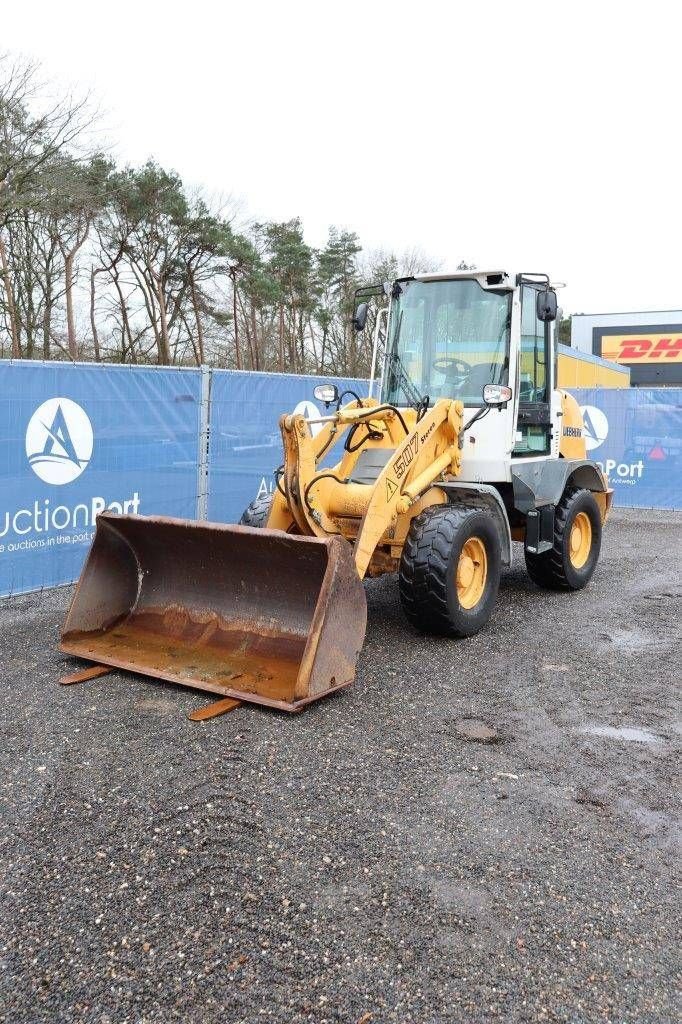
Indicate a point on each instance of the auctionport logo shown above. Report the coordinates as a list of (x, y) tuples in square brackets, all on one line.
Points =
[(310, 411), (595, 426), (59, 441)]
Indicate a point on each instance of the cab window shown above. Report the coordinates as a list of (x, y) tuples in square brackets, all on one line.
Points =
[(533, 428), (533, 369)]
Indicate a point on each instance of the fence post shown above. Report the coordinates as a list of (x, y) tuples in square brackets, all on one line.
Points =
[(204, 420)]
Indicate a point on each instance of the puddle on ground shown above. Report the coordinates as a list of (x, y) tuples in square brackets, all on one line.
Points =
[(476, 731), (658, 825), (629, 641), (628, 734)]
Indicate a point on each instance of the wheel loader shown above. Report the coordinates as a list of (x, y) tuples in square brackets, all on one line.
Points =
[(467, 447)]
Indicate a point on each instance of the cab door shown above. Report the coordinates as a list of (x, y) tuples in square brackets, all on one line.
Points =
[(534, 425)]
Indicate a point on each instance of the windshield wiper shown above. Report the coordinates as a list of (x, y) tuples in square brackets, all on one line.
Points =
[(400, 377), (505, 327)]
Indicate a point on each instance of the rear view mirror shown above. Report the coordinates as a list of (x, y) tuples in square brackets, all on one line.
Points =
[(326, 393), (546, 305), (496, 394), (360, 316)]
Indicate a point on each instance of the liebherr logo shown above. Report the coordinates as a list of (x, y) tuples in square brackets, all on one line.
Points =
[(59, 441)]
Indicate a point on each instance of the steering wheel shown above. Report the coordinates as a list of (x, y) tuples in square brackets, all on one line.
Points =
[(445, 363)]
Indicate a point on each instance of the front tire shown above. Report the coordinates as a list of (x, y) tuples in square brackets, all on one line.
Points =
[(570, 563), (450, 570)]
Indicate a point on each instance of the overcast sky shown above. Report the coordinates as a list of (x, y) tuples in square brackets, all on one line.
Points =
[(528, 136)]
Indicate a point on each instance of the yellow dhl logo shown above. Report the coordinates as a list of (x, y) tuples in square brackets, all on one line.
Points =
[(642, 348)]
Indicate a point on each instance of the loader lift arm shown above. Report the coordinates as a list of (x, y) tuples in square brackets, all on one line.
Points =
[(313, 500)]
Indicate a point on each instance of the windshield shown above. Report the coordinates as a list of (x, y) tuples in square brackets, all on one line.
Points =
[(448, 339)]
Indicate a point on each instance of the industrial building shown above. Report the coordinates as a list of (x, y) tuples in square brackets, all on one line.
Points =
[(648, 343), (583, 370)]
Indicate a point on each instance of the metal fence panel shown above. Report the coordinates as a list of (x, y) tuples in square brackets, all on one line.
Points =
[(636, 436), (245, 443), (75, 439)]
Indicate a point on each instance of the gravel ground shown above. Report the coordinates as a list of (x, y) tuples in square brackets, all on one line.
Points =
[(363, 861)]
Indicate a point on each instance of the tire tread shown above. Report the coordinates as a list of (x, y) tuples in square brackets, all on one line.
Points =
[(257, 513), (424, 565), (547, 569)]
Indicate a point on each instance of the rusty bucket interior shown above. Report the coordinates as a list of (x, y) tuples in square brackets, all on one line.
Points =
[(256, 614)]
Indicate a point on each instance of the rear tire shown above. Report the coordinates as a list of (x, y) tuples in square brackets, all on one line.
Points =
[(257, 513), (450, 570), (570, 563)]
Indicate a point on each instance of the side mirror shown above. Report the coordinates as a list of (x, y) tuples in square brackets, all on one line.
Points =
[(327, 393), (360, 316), (496, 394), (546, 305)]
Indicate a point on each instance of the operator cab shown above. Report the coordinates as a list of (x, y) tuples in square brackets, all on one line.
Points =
[(451, 335)]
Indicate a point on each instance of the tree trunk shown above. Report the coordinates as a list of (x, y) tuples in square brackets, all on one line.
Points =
[(197, 317), (70, 316), (254, 331), (301, 334), (324, 349), (293, 343), (164, 346), (313, 343), (247, 335), (235, 319), (352, 353), (198, 358), (47, 316), (146, 281), (30, 263), (126, 334), (11, 310), (93, 322), (29, 323)]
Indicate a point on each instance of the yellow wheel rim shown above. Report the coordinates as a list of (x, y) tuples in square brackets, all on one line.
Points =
[(472, 571), (580, 540)]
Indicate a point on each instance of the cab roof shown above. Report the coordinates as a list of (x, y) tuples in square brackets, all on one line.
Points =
[(486, 278)]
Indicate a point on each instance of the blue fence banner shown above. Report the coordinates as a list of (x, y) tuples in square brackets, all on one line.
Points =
[(245, 441), (636, 436), (76, 439)]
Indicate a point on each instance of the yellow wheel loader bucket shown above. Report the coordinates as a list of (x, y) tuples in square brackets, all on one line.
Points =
[(259, 615)]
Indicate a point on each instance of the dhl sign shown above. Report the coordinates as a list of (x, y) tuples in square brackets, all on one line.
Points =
[(642, 348)]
